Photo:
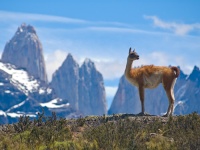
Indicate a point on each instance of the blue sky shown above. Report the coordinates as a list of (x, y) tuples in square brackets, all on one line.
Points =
[(162, 32)]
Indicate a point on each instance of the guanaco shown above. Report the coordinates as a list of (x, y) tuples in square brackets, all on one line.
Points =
[(151, 76)]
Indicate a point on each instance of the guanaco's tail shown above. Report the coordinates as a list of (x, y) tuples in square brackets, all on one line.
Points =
[(176, 71)]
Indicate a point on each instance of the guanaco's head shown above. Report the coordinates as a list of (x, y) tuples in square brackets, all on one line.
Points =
[(133, 55)]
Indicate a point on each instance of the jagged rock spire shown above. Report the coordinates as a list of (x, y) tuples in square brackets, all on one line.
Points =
[(24, 50), (82, 86), (65, 81)]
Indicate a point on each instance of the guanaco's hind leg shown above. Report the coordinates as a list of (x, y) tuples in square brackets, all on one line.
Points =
[(169, 89)]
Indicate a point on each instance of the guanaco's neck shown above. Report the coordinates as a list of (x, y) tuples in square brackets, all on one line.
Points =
[(128, 67)]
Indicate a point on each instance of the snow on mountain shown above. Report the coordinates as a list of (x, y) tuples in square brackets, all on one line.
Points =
[(18, 114), (20, 78), (53, 103), (22, 94), (16, 106), (2, 113)]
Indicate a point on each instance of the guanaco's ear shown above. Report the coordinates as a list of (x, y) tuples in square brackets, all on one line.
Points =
[(129, 50), (134, 50)]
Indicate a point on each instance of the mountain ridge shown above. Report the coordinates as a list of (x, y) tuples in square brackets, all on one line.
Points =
[(186, 91), (79, 84), (75, 89)]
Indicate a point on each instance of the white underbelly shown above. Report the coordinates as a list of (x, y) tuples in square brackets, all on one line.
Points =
[(152, 81), (132, 81)]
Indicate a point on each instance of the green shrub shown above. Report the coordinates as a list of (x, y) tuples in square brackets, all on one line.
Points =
[(104, 132)]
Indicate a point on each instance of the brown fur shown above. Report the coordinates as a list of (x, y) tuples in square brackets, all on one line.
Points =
[(151, 76)]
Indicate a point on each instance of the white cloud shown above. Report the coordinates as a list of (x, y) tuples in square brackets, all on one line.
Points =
[(16, 16), (6, 16), (117, 27), (111, 91), (160, 58), (186, 66), (177, 28), (119, 30), (154, 58), (163, 59), (53, 61), (111, 69)]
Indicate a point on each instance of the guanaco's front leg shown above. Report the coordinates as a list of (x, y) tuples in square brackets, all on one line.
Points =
[(141, 94)]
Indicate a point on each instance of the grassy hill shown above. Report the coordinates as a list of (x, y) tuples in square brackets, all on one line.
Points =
[(117, 132)]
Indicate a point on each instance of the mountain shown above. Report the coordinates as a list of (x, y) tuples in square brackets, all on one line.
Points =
[(24, 50), (82, 86), (23, 94), (75, 90), (65, 81), (24, 89), (187, 95), (92, 99)]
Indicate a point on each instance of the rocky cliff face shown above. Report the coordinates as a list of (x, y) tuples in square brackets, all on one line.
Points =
[(92, 100), (25, 50), (82, 86), (189, 94), (65, 81), (186, 91)]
